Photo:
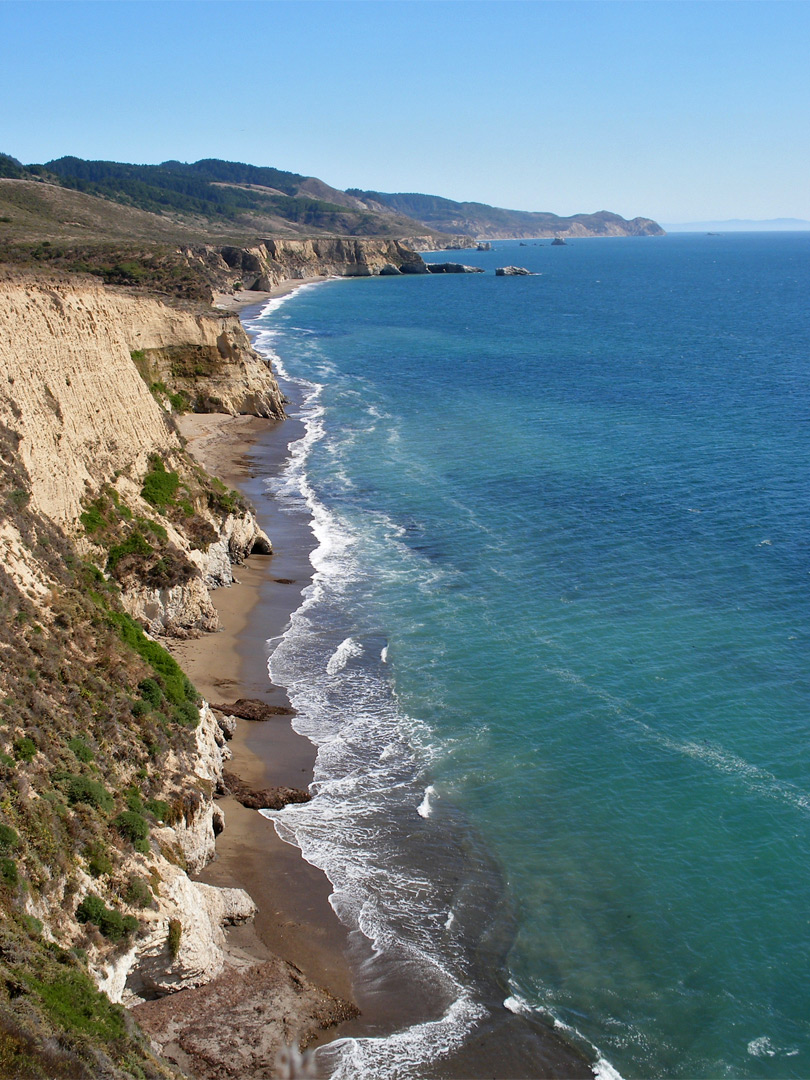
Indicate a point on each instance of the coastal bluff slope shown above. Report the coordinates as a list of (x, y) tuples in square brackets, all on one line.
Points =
[(111, 537)]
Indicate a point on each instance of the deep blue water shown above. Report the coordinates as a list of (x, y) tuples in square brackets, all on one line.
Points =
[(557, 641)]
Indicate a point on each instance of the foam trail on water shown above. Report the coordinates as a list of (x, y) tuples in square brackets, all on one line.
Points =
[(424, 808)]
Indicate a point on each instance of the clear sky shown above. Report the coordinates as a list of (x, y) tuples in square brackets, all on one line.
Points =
[(674, 110)]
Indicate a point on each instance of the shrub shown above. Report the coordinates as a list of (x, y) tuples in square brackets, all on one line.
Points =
[(81, 789), (8, 873), (159, 487), (137, 893), (155, 527), (135, 544), (159, 809), (25, 749), (186, 714), (176, 684), (175, 934), (132, 825), (112, 924), (81, 749), (151, 692), (98, 861), (9, 839), (92, 519), (91, 909)]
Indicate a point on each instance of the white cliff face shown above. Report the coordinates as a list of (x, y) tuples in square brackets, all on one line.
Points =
[(71, 390), (270, 262), (239, 536), (182, 941), (177, 611)]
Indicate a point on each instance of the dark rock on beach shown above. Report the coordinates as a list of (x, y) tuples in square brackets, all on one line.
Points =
[(275, 798), (251, 709)]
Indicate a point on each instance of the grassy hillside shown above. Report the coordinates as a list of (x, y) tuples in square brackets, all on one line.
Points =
[(218, 201), (480, 220)]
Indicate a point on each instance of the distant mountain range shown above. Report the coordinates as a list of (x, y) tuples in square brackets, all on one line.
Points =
[(742, 225), (226, 200), (495, 223)]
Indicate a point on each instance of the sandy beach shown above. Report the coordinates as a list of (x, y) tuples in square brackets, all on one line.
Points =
[(288, 980)]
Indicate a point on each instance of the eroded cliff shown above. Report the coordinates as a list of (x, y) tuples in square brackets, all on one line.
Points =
[(71, 390), (109, 759)]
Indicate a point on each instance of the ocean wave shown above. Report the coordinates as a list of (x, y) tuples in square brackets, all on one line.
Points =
[(424, 808), (602, 1069), (401, 1056), (342, 655)]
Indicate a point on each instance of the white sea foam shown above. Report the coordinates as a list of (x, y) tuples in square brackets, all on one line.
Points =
[(424, 808), (342, 655), (517, 1006), (603, 1070), (757, 780), (764, 1047), (366, 761), (384, 654), (399, 1056)]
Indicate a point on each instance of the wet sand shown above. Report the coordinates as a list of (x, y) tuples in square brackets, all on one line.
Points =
[(295, 920)]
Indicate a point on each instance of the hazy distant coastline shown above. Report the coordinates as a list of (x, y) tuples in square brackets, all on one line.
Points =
[(741, 225)]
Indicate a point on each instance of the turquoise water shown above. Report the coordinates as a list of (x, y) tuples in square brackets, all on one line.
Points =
[(555, 652)]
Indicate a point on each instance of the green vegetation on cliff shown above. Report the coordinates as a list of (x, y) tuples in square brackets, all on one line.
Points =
[(89, 709)]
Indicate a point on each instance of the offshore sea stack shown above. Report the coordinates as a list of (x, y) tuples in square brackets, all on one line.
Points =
[(513, 271)]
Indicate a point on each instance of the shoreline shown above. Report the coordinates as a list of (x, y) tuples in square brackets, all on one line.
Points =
[(295, 932), (295, 919)]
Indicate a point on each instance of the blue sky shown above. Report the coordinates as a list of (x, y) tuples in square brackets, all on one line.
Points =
[(678, 111)]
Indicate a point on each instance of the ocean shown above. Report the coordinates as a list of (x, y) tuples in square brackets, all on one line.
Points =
[(554, 656)]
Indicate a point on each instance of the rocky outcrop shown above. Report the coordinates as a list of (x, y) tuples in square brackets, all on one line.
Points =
[(275, 798), (453, 268), (182, 941), (247, 1023), (251, 709), (268, 263), (512, 271)]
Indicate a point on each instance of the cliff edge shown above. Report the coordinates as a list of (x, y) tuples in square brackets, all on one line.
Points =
[(110, 538)]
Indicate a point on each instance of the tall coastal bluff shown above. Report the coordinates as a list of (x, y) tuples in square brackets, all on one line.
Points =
[(70, 354), (268, 263), (111, 537)]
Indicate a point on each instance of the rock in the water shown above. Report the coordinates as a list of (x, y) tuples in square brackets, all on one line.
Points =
[(484, 245), (512, 271), (558, 242), (453, 268), (389, 270)]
